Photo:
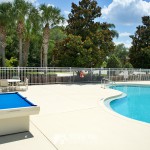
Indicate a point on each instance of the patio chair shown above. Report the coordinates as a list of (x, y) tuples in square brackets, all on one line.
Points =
[(22, 86), (4, 85)]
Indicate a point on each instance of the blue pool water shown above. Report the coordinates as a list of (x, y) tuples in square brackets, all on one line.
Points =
[(135, 105), (13, 100)]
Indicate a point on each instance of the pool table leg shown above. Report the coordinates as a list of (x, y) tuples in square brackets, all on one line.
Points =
[(14, 125)]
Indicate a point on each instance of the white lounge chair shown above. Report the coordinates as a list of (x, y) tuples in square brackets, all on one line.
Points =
[(22, 86)]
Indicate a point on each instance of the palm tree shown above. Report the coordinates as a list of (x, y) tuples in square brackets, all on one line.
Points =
[(109, 27), (50, 17), (108, 33), (21, 9), (5, 21), (32, 28)]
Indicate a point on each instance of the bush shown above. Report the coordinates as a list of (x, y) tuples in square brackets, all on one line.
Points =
[(13, 62)]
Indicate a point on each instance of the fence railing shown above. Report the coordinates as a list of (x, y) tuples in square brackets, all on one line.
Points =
[(48, 75)]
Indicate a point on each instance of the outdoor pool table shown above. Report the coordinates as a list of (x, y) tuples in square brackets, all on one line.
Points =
[(14, 113)]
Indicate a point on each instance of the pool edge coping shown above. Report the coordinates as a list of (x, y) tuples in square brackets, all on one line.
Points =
[(112, 112)]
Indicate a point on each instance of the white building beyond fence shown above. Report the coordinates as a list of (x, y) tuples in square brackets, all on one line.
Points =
[(51, 75)]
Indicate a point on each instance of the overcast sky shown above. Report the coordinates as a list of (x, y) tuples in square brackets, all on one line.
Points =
[(125, 14)]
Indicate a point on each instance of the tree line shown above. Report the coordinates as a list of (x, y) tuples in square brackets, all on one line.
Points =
[(31, 36), (24, 27)]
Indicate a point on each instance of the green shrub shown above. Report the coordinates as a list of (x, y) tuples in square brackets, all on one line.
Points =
[(13, 62)]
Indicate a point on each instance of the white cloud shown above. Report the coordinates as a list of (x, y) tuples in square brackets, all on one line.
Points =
[(31, 1), (126, 12), (66, 12), (127, 43), (65, 23), (2, 1), (123, 34), (51, 5)]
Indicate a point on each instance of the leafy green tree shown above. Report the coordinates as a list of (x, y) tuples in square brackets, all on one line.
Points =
[(140, 49), (122, 53), (57, 35), (12, 44), (21, 32), (113, 62), (34, 51), (50, 17), (65, 57), (79, 56), (128, 65), (82, 19), (96, 37), (5, 22), (104, 64), (106, 33)]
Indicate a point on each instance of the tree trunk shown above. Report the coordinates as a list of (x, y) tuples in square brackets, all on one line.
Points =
[(20, 30), (25, 52), (41, 57), (45, 44), (3, 56), (20, 52), (3, 44)]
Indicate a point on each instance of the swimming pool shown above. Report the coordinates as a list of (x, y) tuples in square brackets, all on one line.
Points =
[(135, 105)]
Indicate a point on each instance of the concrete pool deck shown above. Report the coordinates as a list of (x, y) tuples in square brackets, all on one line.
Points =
[(73, 117)]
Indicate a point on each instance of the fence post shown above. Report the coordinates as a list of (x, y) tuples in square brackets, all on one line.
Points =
[(18, 71), (46, 74), (109, 74), (70, 73), (91, 74), (140, 74)]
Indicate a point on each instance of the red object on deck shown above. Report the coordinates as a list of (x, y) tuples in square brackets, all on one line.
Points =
[(81, 74)]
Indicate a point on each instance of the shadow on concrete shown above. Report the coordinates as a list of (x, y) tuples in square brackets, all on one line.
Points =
[(15, 137)]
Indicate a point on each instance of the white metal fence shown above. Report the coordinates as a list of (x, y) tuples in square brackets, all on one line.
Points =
[(48, 75)]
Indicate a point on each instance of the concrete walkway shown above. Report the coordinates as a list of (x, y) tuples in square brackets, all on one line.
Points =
[(74, 117)]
